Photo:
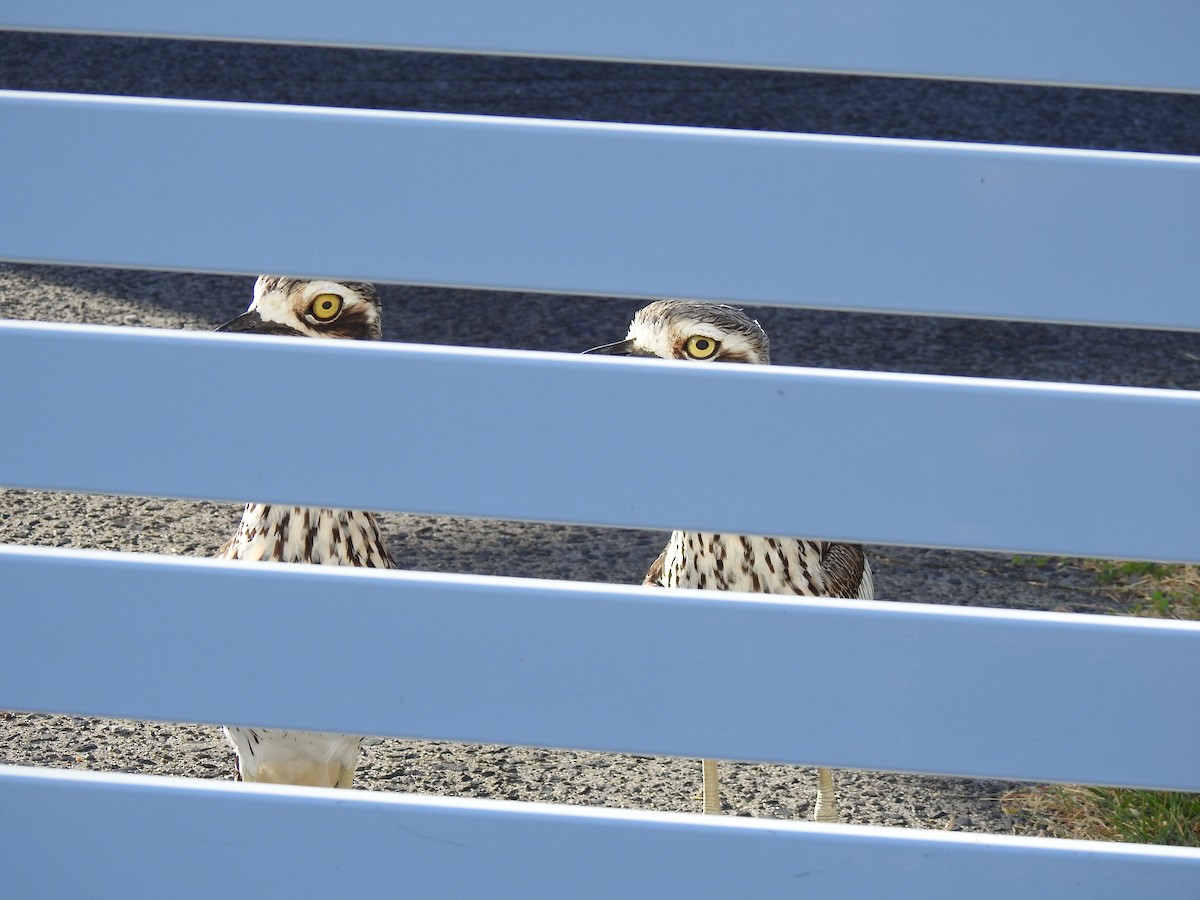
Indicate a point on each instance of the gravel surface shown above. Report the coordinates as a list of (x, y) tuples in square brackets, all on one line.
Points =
[(668, 95)]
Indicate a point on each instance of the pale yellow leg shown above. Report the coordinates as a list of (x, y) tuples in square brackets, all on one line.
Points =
[(712, 789), (826, 802)]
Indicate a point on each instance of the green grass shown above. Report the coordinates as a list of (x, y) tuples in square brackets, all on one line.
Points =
[(1126, 572), (1120, 814), (1152, 589), (1111, 814)]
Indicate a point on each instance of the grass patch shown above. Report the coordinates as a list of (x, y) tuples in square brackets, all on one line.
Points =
[(1111, 814), (1120, 814), (1151, 589)]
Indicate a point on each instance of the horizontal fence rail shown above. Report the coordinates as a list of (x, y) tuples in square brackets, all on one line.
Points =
[(1099, 44), (567, 207), (334, 844), (602, 667), (960, 462)]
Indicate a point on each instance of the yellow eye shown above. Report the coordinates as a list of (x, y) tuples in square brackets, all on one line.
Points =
[(325, 307), (700, 347)]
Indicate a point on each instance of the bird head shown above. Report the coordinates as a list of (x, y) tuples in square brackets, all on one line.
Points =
[(694, 331), (310, 308)]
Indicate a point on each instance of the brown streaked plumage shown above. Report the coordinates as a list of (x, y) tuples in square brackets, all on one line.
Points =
[(709, 332), (320, 308)]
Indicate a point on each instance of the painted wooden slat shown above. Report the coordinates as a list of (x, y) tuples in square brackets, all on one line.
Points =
[(853, 684), (940, 461), (179, 838), (648, 211), (1095, 43)]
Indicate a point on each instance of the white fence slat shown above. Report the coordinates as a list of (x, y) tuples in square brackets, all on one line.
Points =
[(59, 839), (1097, 43), (959, 462), (1031, 696), (525, 204)]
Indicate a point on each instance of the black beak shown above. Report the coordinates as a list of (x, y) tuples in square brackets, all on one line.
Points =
[(620, 348), (252, 323)]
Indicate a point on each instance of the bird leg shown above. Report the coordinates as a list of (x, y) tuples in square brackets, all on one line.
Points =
[(712, 790), (826, 802)]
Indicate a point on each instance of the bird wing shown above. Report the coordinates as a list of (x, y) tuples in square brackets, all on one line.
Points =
[(654, 576), (844, 567)]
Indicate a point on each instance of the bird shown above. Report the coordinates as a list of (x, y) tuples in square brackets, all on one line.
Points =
[(701, 332), (315, 308)]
